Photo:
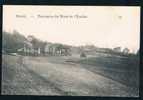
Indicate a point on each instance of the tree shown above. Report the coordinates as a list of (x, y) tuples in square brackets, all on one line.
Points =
[(82, 54), (12, 42), (37, 44)]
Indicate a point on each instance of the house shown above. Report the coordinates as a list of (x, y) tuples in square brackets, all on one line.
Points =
[(117, 49), (56, 50), (49, 49), (126, 50), (28, 49)]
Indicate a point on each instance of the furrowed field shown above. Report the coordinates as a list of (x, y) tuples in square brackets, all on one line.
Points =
[(100, 75)]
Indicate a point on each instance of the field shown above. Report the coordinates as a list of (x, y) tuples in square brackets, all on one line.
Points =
[(100, 75)]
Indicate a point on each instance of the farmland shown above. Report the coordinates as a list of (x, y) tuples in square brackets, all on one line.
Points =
[(101, 75)]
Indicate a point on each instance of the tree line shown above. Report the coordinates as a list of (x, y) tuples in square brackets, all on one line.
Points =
[(12, 42)]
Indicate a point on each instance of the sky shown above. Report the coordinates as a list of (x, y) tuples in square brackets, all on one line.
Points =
[(102, 26)]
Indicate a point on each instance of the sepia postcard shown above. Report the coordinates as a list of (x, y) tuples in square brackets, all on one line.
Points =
[(71, 50)]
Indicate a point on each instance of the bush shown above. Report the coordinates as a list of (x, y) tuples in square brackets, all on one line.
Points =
[(82, 54)]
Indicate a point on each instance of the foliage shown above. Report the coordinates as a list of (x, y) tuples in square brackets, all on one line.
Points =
[(12, 42), (82, 54)]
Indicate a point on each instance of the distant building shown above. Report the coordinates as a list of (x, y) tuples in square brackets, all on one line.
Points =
[(126, 50), (117, 49), (49, 49), (30, 38), (57, 50), (89, 48), (28, 49)]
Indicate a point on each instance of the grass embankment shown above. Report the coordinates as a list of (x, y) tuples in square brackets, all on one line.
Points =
[(18, 80), (120, 68)]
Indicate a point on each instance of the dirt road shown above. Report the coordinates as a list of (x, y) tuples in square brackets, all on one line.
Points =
[(74, 79), (44, 77)]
